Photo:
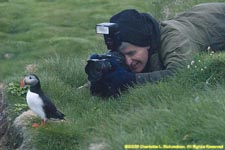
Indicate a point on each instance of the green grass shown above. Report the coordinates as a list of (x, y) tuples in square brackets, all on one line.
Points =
[(58, 37)]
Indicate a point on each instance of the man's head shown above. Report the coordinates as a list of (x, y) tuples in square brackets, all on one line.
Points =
[(136, 57), (140, 35)]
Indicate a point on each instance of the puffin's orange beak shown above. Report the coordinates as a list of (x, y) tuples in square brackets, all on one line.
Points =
[(22, 83)]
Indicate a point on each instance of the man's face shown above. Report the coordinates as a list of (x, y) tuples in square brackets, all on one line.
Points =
[(136, 57)]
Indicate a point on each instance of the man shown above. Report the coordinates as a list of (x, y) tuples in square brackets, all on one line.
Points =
[(155, 50)]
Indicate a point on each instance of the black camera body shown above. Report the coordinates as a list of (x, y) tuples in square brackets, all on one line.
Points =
[(98, 66)]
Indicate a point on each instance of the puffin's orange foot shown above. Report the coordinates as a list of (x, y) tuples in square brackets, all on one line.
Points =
[(35, 125)]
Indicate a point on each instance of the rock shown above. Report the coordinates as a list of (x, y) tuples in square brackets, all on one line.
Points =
[(8, 55), (3, 120), (97, 146), (21, 125), (14, 135), (31, 68)]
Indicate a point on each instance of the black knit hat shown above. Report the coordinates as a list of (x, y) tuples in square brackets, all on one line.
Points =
[(139, 29)]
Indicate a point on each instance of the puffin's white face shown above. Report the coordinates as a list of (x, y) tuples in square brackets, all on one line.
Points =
[(30, 80)]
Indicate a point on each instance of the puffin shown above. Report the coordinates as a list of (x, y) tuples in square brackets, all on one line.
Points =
[(38, 102)]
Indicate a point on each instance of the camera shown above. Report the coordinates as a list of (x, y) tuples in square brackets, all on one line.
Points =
[(98, 65)]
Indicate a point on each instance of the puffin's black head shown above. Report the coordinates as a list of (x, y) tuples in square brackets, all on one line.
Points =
[(30, 79)]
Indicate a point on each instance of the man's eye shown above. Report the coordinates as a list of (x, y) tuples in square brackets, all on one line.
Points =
[(132, 53)]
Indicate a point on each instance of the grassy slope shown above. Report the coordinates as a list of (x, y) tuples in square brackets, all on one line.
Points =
[(58, 36)]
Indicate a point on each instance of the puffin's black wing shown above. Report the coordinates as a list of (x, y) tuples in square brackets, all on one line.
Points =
[(50, 109)]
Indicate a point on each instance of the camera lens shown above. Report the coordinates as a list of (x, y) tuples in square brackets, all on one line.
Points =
[(96, 68)]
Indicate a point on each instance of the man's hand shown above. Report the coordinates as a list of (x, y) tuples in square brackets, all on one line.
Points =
[(119, 78), (112, 83)]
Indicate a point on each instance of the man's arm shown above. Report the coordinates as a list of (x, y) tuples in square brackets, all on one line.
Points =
[(152, 77)]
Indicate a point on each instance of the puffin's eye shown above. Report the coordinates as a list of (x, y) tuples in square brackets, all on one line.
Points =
[(30, 78)]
